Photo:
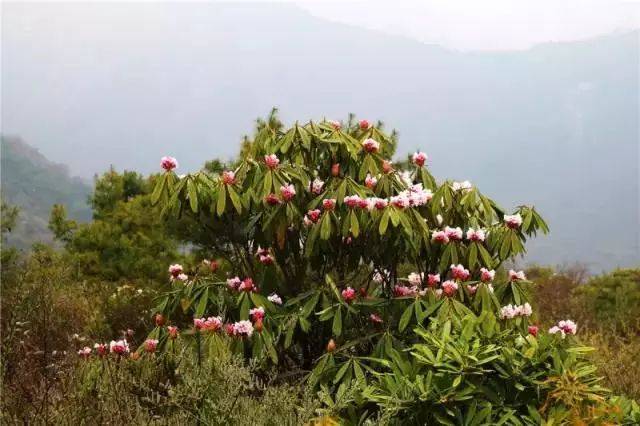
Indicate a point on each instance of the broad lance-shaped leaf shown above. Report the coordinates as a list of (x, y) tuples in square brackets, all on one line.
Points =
[(222, 199)]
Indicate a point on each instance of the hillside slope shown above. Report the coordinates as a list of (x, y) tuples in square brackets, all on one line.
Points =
[(35, 184)]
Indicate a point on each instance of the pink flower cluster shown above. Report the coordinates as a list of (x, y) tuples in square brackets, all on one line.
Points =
[(353, 201), (329, 204), (349, 294), (461, 186), (335, 124), (150, 345), (168, 163), (274, 298), (419, 158), (487, 275), (287, 192), (119, 347), (513, 221), (370, 181), (228, 177), (433, 280), (440, 237), (242, 328), (449, 288), (459, 272), (512, 311), (364, 124), (415, 279), (176, 273), (516, 276), (85, 352), (475, 234), (415, 196), (237, 284), (271, 161), (564, 327), (257, 314), (208, 324), (316, 186), (311, 217), (405, 291), (371, 145), (264, 256), (453, 234)]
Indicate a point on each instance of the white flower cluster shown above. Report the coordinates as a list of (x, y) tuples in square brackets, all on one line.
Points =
[(511, 311)]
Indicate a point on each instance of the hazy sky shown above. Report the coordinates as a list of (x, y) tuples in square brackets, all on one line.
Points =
[(484, 24)]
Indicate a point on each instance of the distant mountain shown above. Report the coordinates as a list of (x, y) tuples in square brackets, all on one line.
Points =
[(94, 84), (35, 184)]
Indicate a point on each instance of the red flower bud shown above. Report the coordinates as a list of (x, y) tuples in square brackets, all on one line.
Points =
[(159, 320), (335, 170), (331, 346)]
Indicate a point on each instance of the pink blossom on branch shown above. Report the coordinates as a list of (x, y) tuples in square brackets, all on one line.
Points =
[(564, 327), (513, 221), (419, 158), (271, 161), (487, 275), (415, 279), (364, 125), (475, 234), (256, 313), (168, 163), (119, 347), (370, 181), (316, 186), (516, 276), (272, 199), (274, 298), (228, 177), (433, 280), (449, 288), (440, 237), (371, 145), (335, 124), (175, 270), (459, 272), (150, 345), (329, 204), (85, 352), (348, 294), (454, 234), (287, 192), (243, 328)]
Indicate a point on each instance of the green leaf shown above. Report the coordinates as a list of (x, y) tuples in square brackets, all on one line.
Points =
[(405, 318), (473, 255), (222, 199), (159, 188), (337, 323), (202, 303), (355, 226), (384, 222), (193, 195), (504, 248), (268, 181), (325, 227), (341, 372), (235, 199), (244, 308)]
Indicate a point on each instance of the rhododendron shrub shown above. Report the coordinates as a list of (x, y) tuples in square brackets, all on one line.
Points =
[(313, 226)]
